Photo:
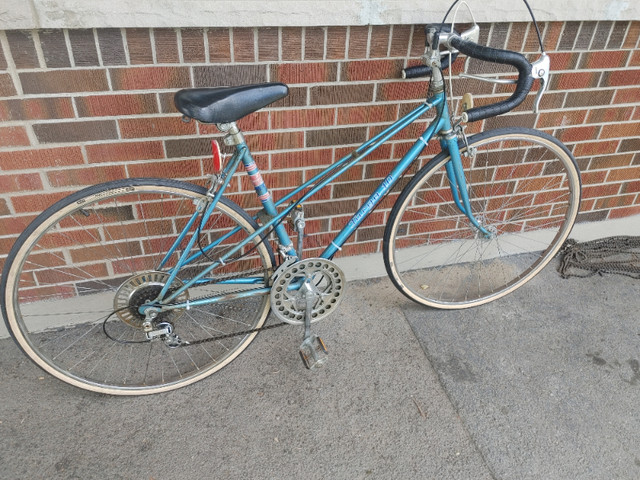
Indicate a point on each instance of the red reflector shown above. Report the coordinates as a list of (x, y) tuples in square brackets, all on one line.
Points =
[(217, 158)]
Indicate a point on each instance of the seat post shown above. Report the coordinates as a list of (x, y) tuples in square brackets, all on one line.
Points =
[(233, 134)]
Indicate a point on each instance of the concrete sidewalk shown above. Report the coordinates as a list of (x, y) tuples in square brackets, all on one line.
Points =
[(544, 384)]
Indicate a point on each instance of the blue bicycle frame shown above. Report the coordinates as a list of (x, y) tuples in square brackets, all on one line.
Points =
[(449, 142)]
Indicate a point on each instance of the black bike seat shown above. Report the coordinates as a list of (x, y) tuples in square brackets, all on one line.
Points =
[(227, 104)]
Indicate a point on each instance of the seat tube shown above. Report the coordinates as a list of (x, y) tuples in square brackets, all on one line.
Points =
[(265, 198)]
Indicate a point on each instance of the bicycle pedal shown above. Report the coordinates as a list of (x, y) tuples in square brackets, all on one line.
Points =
[(313, 352)]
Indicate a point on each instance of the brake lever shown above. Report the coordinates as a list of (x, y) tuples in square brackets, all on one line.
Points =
[(540, 70)]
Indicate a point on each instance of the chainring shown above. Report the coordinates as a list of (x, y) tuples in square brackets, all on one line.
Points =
[(326, 281)]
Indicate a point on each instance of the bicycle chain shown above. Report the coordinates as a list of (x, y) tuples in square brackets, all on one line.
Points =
[(235, 334), (231, 335)]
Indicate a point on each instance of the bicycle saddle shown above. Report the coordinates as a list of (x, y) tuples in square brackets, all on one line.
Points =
[(227, 104)]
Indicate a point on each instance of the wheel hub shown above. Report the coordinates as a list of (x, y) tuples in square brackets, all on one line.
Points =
[(143, 289)]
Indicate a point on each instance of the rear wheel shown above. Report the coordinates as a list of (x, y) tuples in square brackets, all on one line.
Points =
[(524, 188), (73, 283)]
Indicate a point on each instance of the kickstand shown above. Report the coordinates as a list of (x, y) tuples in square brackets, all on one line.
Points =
[(313, 351)]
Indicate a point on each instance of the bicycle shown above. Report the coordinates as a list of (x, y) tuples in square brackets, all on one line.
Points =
[(145, 285)]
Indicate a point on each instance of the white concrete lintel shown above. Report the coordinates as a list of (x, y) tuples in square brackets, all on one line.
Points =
[(27, 14)]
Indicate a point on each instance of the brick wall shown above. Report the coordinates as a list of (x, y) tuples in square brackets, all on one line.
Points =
[(80, 107)]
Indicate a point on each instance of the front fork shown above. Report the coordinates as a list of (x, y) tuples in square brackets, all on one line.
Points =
[(457, 181)]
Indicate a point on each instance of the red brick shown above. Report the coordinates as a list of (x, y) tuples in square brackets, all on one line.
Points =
[(372, 70), (360, 248), (622, 174), (550, 36), (243, 46), (337, 94), (166, 41), (619, 130), (13, 137), (570, 81), (124, 152), (150, 78), (86, 176), (54, 49), (627, 95), (275, 141), (367, 114), (36, 109), (606, 59), (40, 158), (379, 41), (402, 91), (219, 45), (193, 45), (116, 105), (630, 145), (64, 81), (301, 159), (418, 41), (631, 187), (17, 224), (316, 117), (170, 169), (517, 36), (6, 85), (578, 134), (139, 42), (592, 178), (563, 61), (632, 35), (36, 203), (314, 43), (23, 49), (400, 41), (600, 190), (596, 148), (84, 131), (358, 41), (336, 136), (635, 59), (624, 212), (4, 208), (155, 127), (561, 119), (20, 182), (611, 114), (622, 77), (111, 46), (268, 44), (336, 43), (617, 201), (610, 161), (293, 73), (291, 43)]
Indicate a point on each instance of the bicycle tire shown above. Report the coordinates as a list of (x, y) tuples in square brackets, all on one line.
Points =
[(524, 188), (74, 275)]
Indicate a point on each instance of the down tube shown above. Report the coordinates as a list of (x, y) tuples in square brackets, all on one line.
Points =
[(382, 189)]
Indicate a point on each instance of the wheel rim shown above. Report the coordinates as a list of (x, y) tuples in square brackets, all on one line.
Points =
[(71, 268), (523, 191)]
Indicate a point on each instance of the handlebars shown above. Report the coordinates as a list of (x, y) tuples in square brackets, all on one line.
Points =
[(466, 43)]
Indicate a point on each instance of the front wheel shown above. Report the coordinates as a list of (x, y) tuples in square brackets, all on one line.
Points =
[(524, 189), (75, 279)]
